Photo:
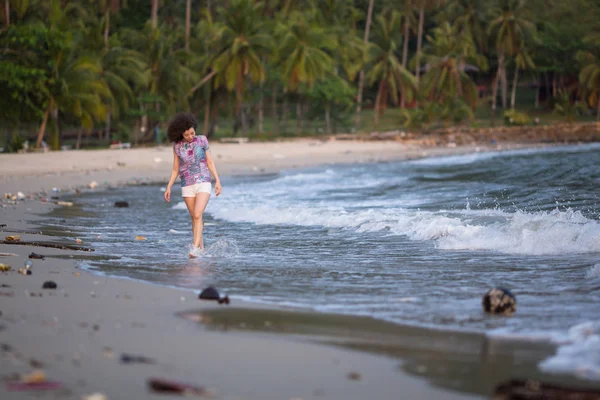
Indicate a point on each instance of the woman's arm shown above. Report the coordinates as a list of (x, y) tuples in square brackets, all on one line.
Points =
[(174, 174), (213, 170)]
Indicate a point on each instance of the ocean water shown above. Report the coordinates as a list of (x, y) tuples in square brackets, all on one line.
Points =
[(416, 242)]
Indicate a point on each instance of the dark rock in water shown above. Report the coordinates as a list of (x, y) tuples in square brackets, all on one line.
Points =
[(37, 256), (210, 293), (499, 301), (49, 285), (121, 204), (532, 389), (133, 358), (159, 385)]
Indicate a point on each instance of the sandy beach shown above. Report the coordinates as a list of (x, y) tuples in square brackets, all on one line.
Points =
[(84, 335)]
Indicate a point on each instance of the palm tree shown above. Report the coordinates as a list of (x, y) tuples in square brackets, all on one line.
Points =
[(511, 29), (76, 89), (303, 54), (422, 5), (361, 77), (348, 53), (168, 78), (385, 68), (242, 42), (522, 61), (449, 55), (589, 79), (121, 69), (188, 23), (468, 16)]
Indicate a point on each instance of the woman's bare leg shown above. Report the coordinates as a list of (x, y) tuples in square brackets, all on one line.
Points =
[(190, 202), (201, 201)]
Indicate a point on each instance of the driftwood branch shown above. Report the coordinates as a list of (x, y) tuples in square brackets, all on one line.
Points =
[(48, 244), (21, 231)]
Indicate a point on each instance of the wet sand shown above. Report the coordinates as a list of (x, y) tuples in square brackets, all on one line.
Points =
[(78, 332)]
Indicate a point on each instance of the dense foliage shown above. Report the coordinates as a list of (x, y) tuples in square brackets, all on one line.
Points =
[(120, 68)]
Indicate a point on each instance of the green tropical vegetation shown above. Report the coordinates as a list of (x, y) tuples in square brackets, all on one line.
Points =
[(86, 73)]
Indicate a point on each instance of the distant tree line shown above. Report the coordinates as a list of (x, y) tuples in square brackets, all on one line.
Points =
[(123, 67)]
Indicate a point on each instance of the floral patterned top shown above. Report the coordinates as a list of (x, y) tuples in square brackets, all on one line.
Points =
[(192, 161)]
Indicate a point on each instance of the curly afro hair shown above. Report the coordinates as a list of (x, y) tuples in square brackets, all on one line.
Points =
[(179, 124)]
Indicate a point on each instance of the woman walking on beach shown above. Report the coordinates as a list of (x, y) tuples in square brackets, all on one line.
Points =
[(193, 163)]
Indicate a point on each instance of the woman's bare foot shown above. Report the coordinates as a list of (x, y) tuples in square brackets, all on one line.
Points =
[(195, 251)]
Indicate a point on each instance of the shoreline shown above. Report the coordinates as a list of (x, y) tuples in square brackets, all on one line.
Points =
[(91, 318)]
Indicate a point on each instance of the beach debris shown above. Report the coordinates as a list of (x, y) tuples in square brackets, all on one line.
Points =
[(136, 359), (121, 164), (4, 267), (166, 386), (94, 396), (12, 238), (93, 184), (157, 159), (354, 376), (20, 195), (35, 363), (37, 256), (48, 244), (77, 273), (24, 271), (210, 293), (78, 241), (139, 237), (65, 203), (28, 264), (35, 380), (499, 301), (121, 204), (49, 285), (533, 389), (108, 352)]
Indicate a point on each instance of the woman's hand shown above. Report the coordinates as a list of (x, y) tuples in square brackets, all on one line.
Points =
[(218, 188), (168, 195)]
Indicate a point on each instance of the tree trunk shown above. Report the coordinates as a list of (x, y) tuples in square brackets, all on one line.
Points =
[(136, 132), (298, 117), (261, 107), (108, 121), (206, 115), (405, 55), (377, 104), (106, 28), (284, 112), (537, 92), (597, 110), (78, 142), (54, 131), (42, 130), (406, 36), (6, 13), (419, 42), (547, 82), (513, 96), (554, 89), (274, 110), (188, 19), (361, 77), (154, 13), (504, 87), (328, 118), (239, 115), (495, 94)]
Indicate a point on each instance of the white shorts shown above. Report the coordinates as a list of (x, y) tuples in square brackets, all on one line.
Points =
[(193, 190)]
